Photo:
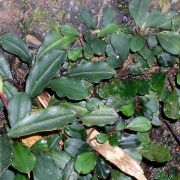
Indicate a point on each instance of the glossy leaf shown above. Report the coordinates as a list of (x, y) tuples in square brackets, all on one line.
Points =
[(100, 117), (22, 158), (85, 162), (102, 138), (69, 87), (74, 54), (156, 152), (45, 168), (20, 177), (4, 68), (98, 46), (117, 175), (53, 41), (92, 71), (5, 153), (128, 110), (68, 29), (75, 146), (49, 119), (140, 124), (114, 139), (40, 146), (13, 44), (120, 44), (42, 71), (157, 82), (172, 106), (152, 41), (170, 41), (108, 16), (137, 43), (138, 9), (108, 29), (87, 18), (19, 106), (7, 175)]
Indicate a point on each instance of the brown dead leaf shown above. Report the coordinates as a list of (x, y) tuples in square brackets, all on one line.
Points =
[(116, 156), (44, 99), (29, 141)]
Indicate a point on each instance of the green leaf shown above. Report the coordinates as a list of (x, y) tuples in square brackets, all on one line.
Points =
[(170, 41), (102, 169), (22, 158), (178, 79), (100, 117), (98, 46), (108, 16), (40, 146), (166, 59), (74, 54), (13, 44), (76, 130), (60, 158), (75, 146), (152, 41), (114, 139), (18, 107), (8, 175), (5, 153), (46, 168), (68, 29), (20, 177), (85, 162), (138, 10), (137, 43), (92, 71), (128, 110), (49, 119), (5, 71), (102, 138), (140, 124), (108, 29), (172, 106), (69, 87), (87, 18), (117, 175), (120, 44), (157, 81), (156, 152), (42, 71), (52, 41)]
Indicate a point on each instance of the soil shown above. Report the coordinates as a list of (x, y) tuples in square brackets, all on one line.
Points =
[(36, 17)]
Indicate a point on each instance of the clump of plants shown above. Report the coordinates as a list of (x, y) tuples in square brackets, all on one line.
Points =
[(113, 80)]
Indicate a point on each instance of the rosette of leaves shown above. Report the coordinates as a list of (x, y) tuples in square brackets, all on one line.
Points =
[(79, 72)]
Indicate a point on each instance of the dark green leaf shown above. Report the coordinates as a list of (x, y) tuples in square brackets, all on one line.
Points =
[(138, 10), (75, 146), (49, 119), (100, 117), (53, 41), (108, 16), (166, 59), (94, 104), (53, 141), (8, 175), (102, 169), (4, 68), (46, 168), (76, 131), (120, 44), (117, 175), (140, 124), (18, 107), (156, 152), (74, 54), (137, 43), (108, 29), (135, 154), (60, 158), (68, 29), (15, 45), (128, 110), (157, 81), (22, 158), (152, 41), (85, 162), (98, 46), (178, 79), (5, 153), (102, 138), (87, 18), (114, 139), (170, 41), (40, 146), (172, 106), (20, 177), (69, 87), (92, 71), (42, 71)]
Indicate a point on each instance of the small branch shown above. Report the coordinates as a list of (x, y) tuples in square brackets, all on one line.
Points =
[(3, 98)]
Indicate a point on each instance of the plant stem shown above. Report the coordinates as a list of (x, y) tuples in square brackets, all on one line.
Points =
[(3, 98)]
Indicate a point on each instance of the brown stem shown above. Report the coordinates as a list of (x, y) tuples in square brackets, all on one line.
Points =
[(3, 98)]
